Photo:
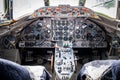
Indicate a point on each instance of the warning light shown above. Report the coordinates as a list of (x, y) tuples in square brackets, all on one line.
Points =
[(49, 9), (76, 9), (85, 10), (58, 9), (41, 10)]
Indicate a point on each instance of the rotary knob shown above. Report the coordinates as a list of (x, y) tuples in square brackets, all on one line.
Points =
[(59, 62), (65, 28), (77, 31)]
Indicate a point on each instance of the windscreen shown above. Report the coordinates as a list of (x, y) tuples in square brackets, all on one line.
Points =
[(25, 7), (64, 2)]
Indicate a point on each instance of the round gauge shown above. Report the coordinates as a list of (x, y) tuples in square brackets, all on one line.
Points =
[(26, 32), (47, 36), (30, 36), (55, 38), (97, 37), (71, 28), (39, 25), (60, 27), (90, 37), (65, 28), (66, 33), (9, 41), (60, 33), (37, 28), (48, 26), (70, 38), (71, 23), (77, 36), (65, 38), (56, 27), (60, 38), (77, 31), (71, 33), (48, 31), (56, 33), (77, 27), (90, 25)]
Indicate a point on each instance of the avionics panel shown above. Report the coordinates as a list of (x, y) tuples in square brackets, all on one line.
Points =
[(82, 32), (63, 23)]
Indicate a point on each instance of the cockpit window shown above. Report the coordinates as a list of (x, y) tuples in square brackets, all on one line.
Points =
[(68, 2)]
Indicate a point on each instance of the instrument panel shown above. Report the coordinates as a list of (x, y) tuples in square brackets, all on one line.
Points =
[(63, 23), (45, 32)]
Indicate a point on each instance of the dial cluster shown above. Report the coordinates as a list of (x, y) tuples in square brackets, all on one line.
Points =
[(63, 30), (82, 32)]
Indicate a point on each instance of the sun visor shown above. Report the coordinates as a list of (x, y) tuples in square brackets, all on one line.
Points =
[(64, 2), (25, 7)]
